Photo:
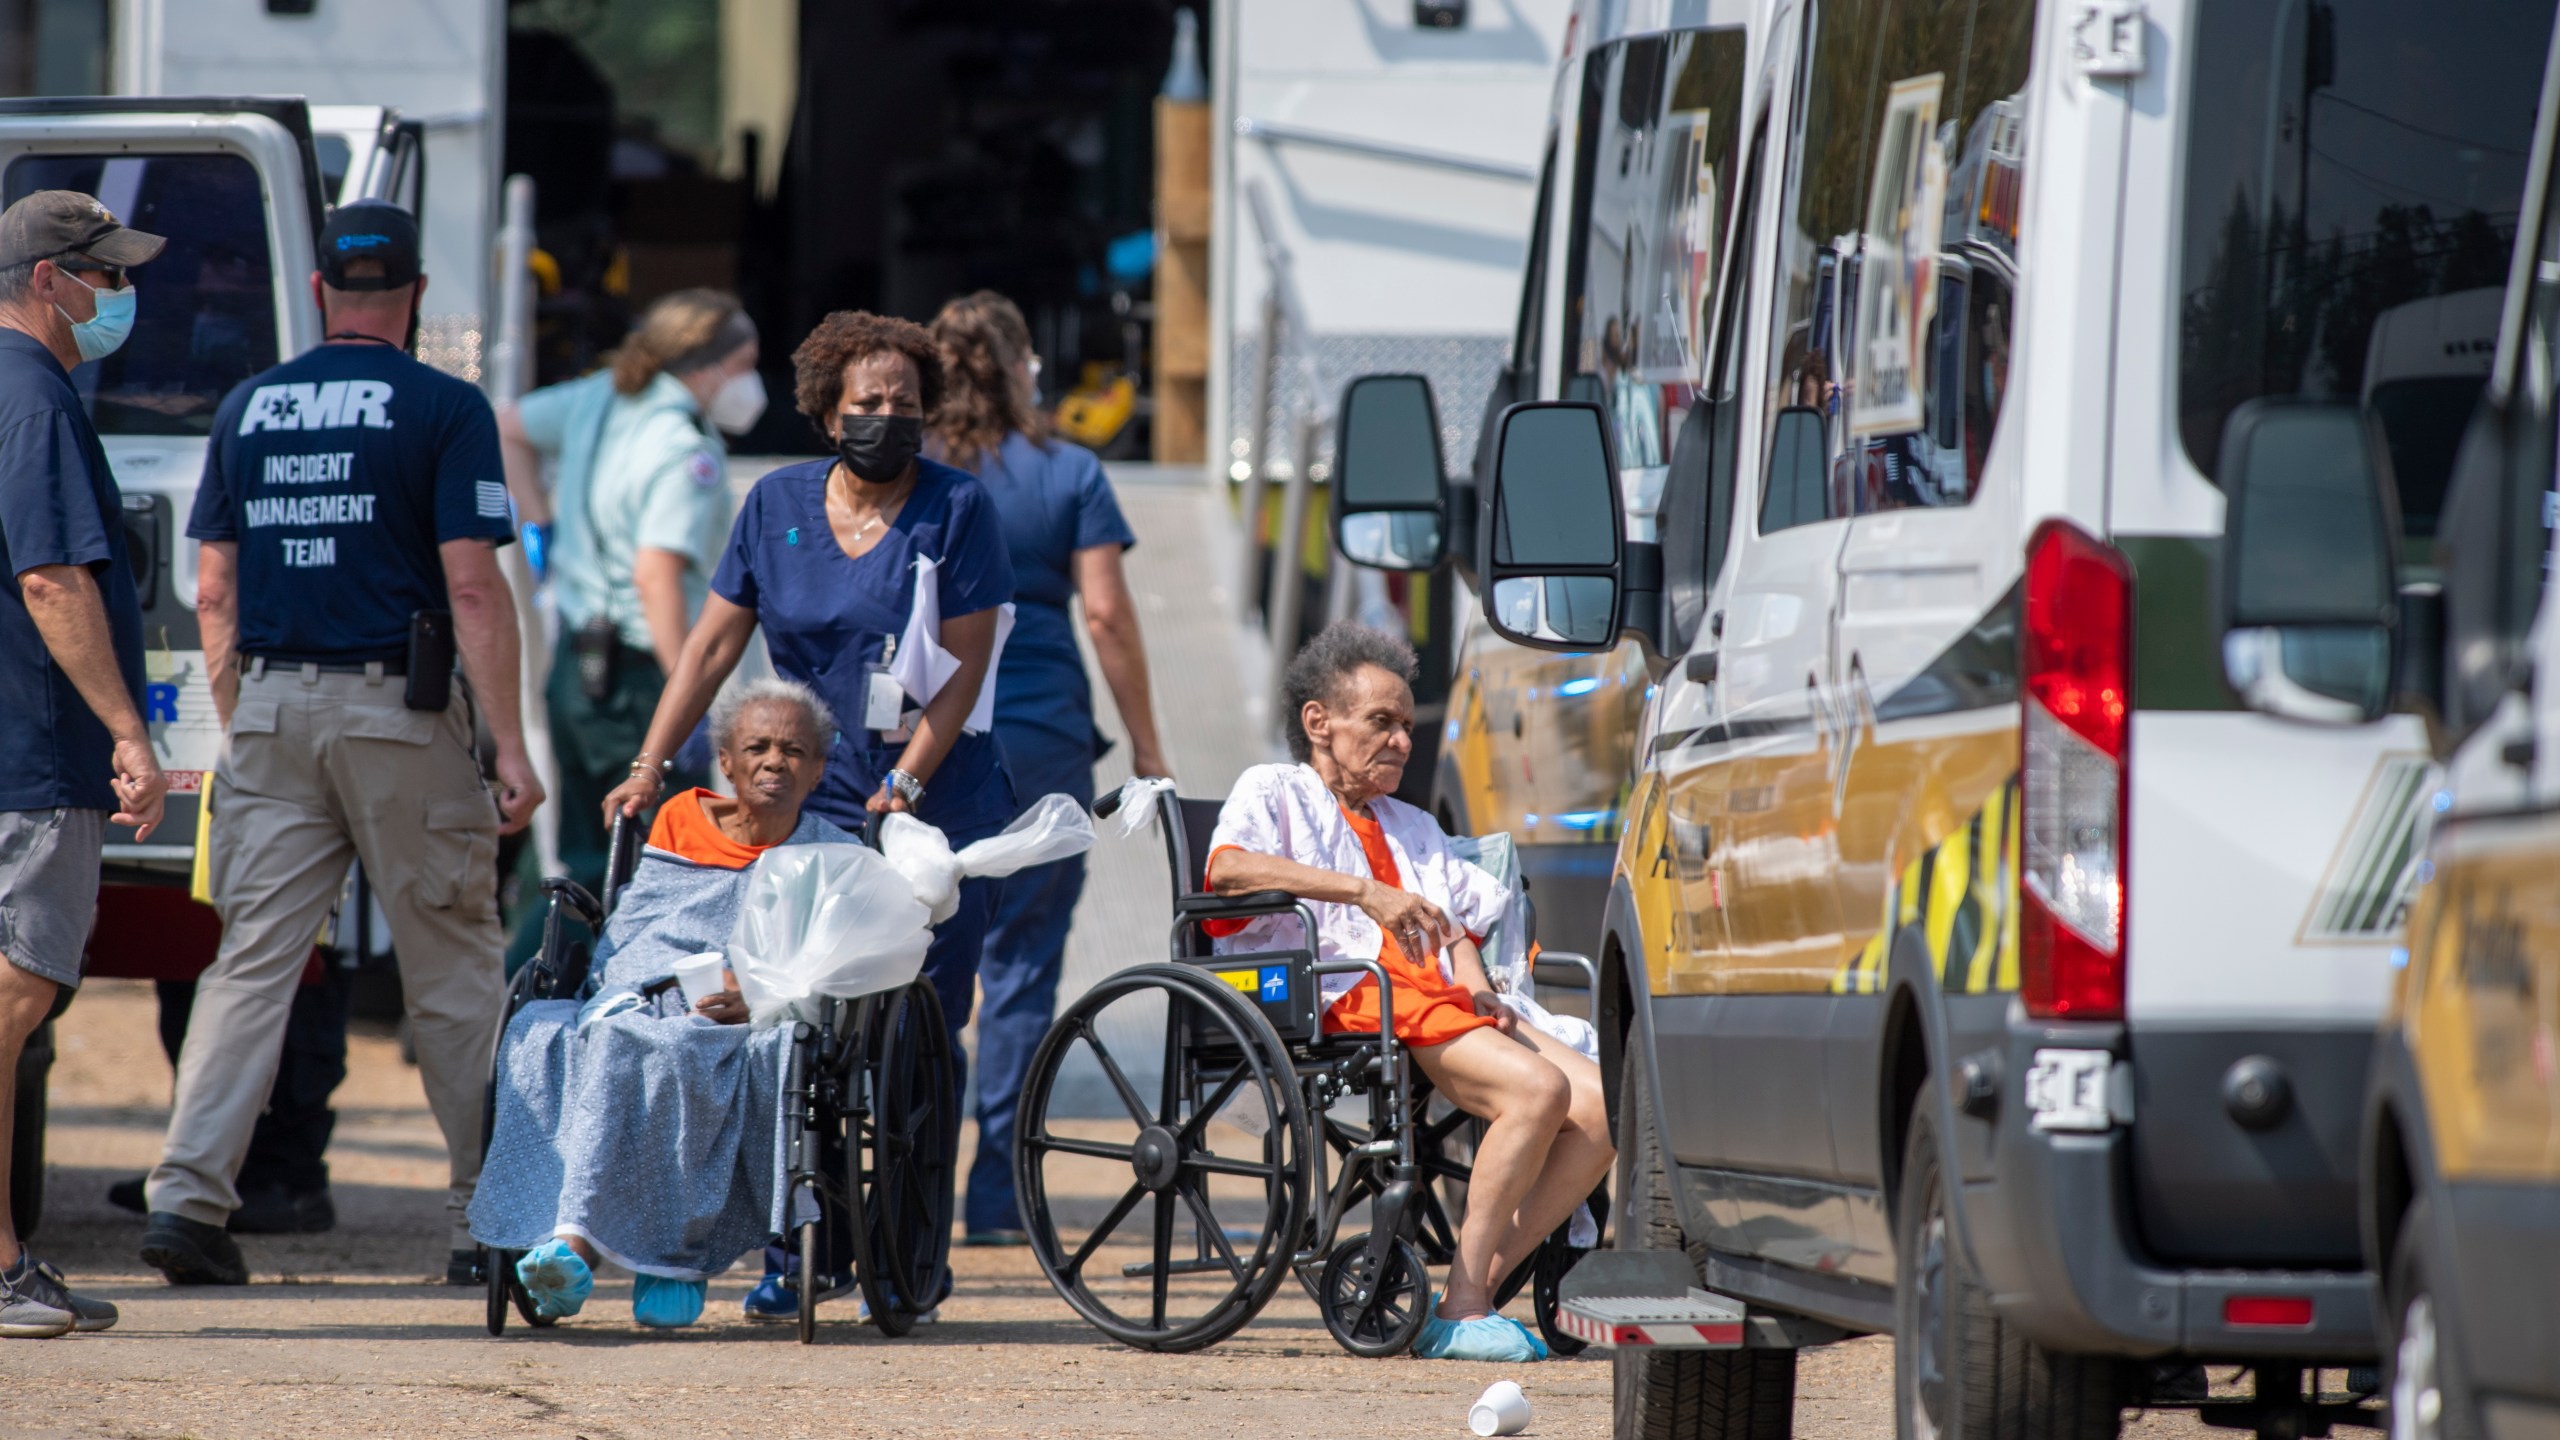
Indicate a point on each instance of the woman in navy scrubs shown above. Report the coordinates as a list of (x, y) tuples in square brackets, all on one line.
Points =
[(823, 556), (1065, 533)]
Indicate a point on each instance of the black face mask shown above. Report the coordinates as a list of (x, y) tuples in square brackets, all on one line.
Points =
[(878, 448)]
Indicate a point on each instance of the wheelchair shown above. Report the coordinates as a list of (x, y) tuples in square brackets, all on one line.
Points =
[(1237, 1041), (871, 1112)]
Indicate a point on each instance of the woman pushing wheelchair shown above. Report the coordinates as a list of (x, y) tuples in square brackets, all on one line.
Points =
[(1383, 883)]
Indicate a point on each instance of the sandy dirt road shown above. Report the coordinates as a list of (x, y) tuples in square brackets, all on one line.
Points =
[(343, 1335)]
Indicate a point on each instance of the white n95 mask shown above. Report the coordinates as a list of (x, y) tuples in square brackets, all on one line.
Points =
[(738, 404)]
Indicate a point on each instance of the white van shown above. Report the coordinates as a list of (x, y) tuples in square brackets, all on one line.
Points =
[(1993, 954)]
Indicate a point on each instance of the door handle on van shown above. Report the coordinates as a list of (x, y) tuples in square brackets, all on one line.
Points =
[(1701, 667)]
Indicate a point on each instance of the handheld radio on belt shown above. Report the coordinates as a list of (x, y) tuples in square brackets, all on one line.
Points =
[(431, 656)]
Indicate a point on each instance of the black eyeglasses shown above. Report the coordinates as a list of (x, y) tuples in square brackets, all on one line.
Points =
[(82, 264)]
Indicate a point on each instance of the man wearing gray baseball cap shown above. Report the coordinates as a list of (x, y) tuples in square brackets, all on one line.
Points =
[(74, 755)]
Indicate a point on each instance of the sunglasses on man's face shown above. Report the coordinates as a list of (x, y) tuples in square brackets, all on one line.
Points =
[(83, 265)]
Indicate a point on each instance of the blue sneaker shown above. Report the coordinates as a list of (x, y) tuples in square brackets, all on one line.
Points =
[(772, 1302), (556, 1279), (776, 1301), (663, 1304)]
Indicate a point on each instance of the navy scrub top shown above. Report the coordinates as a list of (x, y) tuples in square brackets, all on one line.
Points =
[(1055, 502), (825, 618)]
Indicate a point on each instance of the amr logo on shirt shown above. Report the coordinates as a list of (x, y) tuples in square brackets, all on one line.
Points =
[(327, 405)]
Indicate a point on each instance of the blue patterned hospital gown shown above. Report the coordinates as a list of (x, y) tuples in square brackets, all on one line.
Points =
[(651, 1132)]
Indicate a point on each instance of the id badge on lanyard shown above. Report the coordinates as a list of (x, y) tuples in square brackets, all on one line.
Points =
[(884, 700)]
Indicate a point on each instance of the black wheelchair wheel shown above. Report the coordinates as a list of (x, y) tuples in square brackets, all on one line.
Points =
[(505, 1289), (1552, 1260), (809, 1280), (1246, 1210), (498, 1267), (1375, 1309), (902, 1166)]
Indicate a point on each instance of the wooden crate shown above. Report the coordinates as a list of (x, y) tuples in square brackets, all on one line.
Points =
[(1181, 360)]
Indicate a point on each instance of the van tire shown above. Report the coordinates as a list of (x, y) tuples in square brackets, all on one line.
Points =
[(1682, 1394), (2421, 1352), (1958, 1372)]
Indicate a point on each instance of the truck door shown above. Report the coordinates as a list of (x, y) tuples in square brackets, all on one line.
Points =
[(233, 186)]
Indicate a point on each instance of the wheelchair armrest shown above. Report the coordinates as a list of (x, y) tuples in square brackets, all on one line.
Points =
[(1564, 970), (1234, 907), (564, 891)]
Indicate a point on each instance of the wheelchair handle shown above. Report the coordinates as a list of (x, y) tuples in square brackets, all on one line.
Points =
[(622, 856), (1107, 806), (1590, 972)]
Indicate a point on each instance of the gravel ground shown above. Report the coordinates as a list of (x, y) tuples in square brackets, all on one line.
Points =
[(343, 1333)]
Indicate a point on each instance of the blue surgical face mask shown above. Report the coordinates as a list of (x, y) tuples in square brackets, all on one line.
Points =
[(104, 333)]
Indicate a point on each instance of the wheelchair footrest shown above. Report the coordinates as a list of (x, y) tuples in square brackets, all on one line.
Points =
[(1645, 1297)]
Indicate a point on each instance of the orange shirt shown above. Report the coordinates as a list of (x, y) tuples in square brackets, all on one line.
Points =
[(684, 828), (1382, 868)]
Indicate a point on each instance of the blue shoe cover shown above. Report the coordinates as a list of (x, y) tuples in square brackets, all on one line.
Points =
[(663, 1304), (1537, 1342), (1487, 1337), (556, 1279)]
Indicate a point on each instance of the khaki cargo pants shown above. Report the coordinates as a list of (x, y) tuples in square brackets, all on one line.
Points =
[(323, 769)]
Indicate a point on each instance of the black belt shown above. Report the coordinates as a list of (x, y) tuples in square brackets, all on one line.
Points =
[(398, 668)]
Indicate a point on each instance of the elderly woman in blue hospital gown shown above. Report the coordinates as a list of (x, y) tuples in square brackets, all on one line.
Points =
[(633, 1128)]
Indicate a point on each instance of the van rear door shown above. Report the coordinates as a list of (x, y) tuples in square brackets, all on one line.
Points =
[(234, 186)]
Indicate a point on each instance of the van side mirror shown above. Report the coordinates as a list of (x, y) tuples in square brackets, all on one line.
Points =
[(1389, 490), (1799, 470), (2309, 595), (1558, 559)]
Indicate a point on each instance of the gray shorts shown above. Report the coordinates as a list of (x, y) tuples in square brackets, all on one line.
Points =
[(49, 889)]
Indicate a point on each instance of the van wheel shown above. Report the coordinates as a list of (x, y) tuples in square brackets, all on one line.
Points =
[(2429, 1398), (1688, 1394), (1958, 1372)]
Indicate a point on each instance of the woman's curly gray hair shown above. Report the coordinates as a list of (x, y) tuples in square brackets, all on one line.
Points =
[(1329, 659), (771, 690)]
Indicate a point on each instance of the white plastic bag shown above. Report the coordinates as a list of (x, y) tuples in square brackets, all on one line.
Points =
[(833, 920), (1138, 802), (919, 852), (1054, 829)]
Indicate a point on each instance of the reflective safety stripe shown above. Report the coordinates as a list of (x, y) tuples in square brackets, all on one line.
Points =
[(1961, 895)]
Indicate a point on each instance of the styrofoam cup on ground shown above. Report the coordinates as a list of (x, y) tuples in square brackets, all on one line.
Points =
[(699, 975), (1501, 1410)]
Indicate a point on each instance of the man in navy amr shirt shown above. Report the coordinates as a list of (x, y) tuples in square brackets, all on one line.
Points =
[(351, 509)]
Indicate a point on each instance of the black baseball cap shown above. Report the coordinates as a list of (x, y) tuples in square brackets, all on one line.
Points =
[(52, 223), (369, 230)]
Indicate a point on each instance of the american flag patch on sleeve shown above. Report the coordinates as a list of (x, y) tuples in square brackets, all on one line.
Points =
[(492, 498)]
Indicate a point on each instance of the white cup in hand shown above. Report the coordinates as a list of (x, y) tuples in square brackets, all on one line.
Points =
[(699, 976), (1501, 1410)]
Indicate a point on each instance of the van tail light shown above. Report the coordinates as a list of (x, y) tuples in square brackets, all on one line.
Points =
[(2076, 658), (2291, 1311)]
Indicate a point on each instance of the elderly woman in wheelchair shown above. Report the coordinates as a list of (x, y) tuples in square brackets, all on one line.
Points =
[(635, 1127), (1382, 881)]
